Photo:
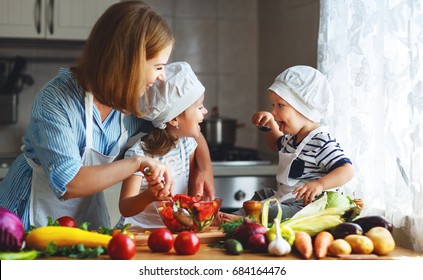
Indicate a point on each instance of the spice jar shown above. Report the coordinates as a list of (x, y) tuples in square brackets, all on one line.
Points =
[(252, 209)]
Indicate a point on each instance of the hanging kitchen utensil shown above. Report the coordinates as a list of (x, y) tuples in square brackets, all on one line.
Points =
[(9, 85)]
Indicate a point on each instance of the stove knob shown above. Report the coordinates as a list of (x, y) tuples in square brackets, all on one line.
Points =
[(239, 195)]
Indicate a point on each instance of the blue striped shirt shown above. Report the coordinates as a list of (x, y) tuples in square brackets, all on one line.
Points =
[(321, 155), (55, 139)]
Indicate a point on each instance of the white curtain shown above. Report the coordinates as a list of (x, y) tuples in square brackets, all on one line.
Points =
[(372, 53)]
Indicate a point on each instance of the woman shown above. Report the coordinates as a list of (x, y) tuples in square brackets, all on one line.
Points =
[(82, 119)]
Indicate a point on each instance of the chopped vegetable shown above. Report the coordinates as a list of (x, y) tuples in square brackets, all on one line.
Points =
[(303, 244)]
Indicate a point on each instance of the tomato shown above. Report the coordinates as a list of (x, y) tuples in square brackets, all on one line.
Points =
[(167, 213), (160, 240), (186, 243), (205, 212), (121, 247), (67, 221)]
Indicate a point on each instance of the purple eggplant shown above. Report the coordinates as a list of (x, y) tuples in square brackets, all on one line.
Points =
[(368, 222), (347, 228)]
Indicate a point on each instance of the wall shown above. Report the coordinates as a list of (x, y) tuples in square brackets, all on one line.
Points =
[(288, 31), (236, 48)]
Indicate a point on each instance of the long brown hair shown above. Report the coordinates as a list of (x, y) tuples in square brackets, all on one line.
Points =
[(113, 62), (159, 142)]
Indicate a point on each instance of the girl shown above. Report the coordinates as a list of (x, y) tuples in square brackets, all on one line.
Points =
[(175, 109)]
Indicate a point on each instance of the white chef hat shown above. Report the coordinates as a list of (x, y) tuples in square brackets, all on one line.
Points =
[(307, 90), (170, 97)]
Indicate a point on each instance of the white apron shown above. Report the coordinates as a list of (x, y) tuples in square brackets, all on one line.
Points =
[(285, 184), (91, 208), (149, 218)]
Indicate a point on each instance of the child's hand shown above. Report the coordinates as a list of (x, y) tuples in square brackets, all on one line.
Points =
[(158, 191), (158, 177), (308, 191), (262, 118), (222, 217)]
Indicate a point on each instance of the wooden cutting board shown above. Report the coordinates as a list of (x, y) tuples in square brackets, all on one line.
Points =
[(209, 235)]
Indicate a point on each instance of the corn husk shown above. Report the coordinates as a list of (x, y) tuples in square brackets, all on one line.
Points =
[(315, 217)]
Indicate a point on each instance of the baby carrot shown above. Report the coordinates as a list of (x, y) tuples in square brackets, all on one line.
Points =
[(303, 244), (321, 244)]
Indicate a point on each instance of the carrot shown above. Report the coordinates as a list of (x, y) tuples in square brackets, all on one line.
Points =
[(321, 244), (303, 244)]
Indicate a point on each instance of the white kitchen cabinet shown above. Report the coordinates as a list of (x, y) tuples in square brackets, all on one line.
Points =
[(50, 19)]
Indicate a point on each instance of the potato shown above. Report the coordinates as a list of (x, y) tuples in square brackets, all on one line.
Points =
[(360, 244), (339, 247), (382, 240)]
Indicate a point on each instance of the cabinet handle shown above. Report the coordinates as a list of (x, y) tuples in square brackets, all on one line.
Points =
[(37, 16), (50, 16)]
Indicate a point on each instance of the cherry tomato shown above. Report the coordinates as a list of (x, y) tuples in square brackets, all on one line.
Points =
[(160, 240), (121, 247), (186, 243), (67, 221)]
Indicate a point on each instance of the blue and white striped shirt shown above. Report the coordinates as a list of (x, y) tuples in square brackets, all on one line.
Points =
[(321, 155), (55, 139)]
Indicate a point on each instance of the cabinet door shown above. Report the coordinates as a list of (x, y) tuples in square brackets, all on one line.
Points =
[(22, 18), (73, 19), (51, 19)]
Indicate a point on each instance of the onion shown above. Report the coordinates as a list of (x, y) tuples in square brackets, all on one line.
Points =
[(243, 232), (12, 232)]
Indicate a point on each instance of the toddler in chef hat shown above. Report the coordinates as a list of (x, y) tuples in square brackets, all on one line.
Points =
[(310, 159), (175, 108)]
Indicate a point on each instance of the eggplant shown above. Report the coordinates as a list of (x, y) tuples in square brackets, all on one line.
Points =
[(347, 228), (371, 221)]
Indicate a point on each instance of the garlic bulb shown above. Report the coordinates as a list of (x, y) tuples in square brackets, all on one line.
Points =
[(279, 246)]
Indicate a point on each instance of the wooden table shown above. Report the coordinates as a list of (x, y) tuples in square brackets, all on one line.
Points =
[(213, 234), (207, 253)]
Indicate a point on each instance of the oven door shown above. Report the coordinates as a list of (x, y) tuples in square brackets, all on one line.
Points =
[(234, 190)]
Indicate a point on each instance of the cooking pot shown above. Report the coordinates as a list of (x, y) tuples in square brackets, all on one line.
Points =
[(219, 131)]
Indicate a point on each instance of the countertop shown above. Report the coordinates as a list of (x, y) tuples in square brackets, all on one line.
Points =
[(213, 234), (245, 168), (208, 253)]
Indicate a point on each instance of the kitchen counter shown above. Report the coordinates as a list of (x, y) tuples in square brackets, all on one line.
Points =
[(213, 235), (208, 253), (244, 168)]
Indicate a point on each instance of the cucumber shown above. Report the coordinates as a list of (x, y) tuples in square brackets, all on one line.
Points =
[(22, 255), (233, 246)]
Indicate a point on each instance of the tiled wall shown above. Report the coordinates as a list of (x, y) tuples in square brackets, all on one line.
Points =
[(236, 47)]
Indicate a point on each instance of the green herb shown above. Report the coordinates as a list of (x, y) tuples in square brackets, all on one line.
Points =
[(229, 227), (77, 251)]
